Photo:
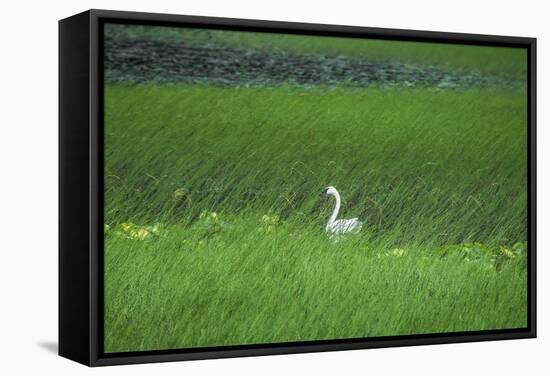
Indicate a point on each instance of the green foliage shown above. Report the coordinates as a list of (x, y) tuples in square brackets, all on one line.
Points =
[(234, 175), (269, 223), (486, 254), (132, 231), (418, 165), (210, 224), (293, 284)]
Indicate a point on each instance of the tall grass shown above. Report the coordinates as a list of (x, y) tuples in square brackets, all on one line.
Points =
[(438, 166), (244, 286), (422, 168)]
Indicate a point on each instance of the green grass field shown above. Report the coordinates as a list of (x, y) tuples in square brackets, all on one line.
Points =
[(215, 227)]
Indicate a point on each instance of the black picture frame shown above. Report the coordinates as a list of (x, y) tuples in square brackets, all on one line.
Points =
[(81, 187)]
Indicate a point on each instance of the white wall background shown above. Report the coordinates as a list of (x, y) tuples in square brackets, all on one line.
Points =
[(28, 189)]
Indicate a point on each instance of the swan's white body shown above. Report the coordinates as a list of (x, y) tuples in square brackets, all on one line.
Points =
[(340, 226)]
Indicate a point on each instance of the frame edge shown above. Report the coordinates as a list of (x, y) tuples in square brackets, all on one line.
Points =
[(73, 257)]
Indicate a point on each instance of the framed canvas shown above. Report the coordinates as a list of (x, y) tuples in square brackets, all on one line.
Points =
[(236, 187)]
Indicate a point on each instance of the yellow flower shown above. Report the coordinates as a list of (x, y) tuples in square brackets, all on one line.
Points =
[(126, 227), (134, 232), (506, 252), (141, 234)]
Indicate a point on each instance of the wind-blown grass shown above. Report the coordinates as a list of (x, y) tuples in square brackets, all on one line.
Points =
[(452, 164), (247, 286), (423, 169)]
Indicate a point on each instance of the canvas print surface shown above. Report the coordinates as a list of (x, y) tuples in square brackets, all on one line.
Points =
[(266, 188)]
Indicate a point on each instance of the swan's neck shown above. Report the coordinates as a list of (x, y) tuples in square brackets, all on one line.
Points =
[(336, 210)]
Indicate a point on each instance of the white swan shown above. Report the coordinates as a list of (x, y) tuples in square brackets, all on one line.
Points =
[(340, 226)]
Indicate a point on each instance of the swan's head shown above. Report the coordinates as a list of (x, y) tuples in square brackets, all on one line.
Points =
[(329, 191)]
